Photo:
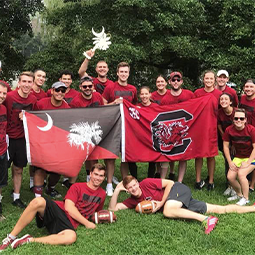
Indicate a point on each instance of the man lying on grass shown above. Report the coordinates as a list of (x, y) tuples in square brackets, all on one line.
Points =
[(61, 218), (174, 198)]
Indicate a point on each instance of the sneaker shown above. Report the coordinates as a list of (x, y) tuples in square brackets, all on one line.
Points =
[(199, 185), (243, 201), (232, 193), (251, 190), (66, 184), (233, 198), (210, 186), (109, 192), (53, 193), (19, 203), (5, 243), (207, 179), (115, 180), (228, 191), (171, 176), (20, 241), (210, 223)]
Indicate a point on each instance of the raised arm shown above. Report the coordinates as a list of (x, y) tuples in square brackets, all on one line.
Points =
[(85, 63)]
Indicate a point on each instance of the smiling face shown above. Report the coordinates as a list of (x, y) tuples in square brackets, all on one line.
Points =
[(249, 89), (3, 93), (40, 77), (175, 83), (145, 96), (87, 89), (25, 85), (123, 74), (222, 80), (102, 69), (96, 177), (225, 101), (161, 84), (239, 120), (209, 80), (58, 94), (134, 189), (67, 79)]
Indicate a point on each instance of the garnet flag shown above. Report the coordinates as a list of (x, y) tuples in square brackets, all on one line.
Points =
[(168, 133), (61, 140)]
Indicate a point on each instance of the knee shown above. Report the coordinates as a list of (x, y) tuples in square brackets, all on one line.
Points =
[(71, 238), (169, 213), (37, 202), (241, 176), (17, 170)]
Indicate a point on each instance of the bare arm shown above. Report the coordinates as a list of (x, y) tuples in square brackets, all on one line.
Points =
[(75, 214), (114, 205), (85, 63), (226, 150), (220, 130)]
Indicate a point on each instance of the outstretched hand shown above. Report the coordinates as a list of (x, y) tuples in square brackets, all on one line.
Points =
[(121, 187), (158, 205)]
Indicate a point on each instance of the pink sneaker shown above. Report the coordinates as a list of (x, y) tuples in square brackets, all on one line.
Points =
[(6, 243), (20, 241), (210, 224)]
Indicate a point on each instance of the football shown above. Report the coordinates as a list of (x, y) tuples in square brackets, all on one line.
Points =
[(145, 207), (103, 216)]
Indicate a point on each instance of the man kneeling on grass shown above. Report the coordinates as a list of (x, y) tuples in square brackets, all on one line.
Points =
[(61, 218), (174, 198)]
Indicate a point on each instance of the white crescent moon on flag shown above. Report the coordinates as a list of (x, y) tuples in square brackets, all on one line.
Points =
[(98, 34), (49, 124)]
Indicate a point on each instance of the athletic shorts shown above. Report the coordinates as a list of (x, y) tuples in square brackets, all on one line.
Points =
[(3, 170), (239, 161), (17, 152), (182, 193), (54, 219)]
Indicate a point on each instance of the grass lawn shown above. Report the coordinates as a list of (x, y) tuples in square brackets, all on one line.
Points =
[(145, 234)]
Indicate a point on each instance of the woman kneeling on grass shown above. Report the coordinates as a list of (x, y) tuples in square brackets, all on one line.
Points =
[(241, 136)]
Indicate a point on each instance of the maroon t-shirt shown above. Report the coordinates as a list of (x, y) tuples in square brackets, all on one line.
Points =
[(100, 86), (45, 104), (3, 126), (39, 95), (86, 200), (15, 104), (69, 96), (201, 92), (156, 97), (249, 106), (184, 96), (231, 92), (115, 91), (225, 120), (151, 190), (80, 101), (241, 140)]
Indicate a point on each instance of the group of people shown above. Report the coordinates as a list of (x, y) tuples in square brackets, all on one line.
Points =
[(236, 141)]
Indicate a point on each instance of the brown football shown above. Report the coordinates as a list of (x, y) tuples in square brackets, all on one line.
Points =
[(145, 207), (103, 216)]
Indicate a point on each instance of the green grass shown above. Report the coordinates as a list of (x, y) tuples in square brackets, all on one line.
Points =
[(145, 234)]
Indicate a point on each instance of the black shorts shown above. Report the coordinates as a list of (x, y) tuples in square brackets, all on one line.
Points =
[(54, 219), (182, 193), (3, 170), (17, 152)]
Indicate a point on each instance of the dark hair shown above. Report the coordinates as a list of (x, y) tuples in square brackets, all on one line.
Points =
[(65, 72), (226, 94), (240, 110), (86, 78), (98, 166), (127, 180), (249, 80), (205, 72), (36, 70)]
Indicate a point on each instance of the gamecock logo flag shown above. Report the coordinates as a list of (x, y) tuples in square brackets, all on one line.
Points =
[(174, 132), (61, 140)]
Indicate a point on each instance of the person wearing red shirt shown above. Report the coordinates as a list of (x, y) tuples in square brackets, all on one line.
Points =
[(37, 91), (161, 91), (16, 101), (3, 144), (61, 218)]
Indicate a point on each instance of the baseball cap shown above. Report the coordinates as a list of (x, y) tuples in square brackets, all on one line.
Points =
[(173, 74), (220, 72), (58, 84)]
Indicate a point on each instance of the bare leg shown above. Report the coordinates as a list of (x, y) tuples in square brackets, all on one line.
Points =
[(124, 169), (163, 172), (252, 184), (39, 176), (232, 175), (222, 209), (110, 167), (17, 178), (211, 168), (242, 173), (172, 167), (198, 167), (182, 170)]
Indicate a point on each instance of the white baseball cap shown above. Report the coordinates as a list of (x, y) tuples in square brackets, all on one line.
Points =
[(220, 72)]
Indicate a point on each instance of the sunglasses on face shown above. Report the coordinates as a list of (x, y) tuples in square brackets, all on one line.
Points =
[(63, 90), (87, 86), (177, 79), (239, 118)]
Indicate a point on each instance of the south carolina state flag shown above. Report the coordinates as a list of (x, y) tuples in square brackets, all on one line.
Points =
[(61, 140), (168, 133)]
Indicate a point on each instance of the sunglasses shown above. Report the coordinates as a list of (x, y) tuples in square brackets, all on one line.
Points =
[(87, 86), (63, 90), (173, 80), (239, 118)]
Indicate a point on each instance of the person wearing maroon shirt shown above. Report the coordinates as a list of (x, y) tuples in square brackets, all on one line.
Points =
[(101, 81), (3, 144), (56, 101), (209, 79), (161, 91), (242, 137), (37, 91), (221, 84), (177, 95), (114, 94), (61, 218), (66, 77), (16, 101)]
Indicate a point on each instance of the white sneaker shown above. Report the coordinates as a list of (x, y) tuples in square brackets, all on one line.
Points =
[(115, 180), (232, 193), (235, 197), (109, 191), (228, 191), (243, 201), (88, 178)]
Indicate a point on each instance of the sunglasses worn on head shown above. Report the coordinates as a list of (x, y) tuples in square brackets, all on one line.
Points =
[(239, 118), (173, 80), (87, 86), (63, 90)]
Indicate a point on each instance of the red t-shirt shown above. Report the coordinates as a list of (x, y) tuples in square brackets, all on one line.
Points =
[(249, 106), (3, 126), (151, 190), (225, 120), (231, 92), (80, 101), (45, 104), (115, 91), (15, 104), (241, 140), (184, 96), (156, 97), (201, 92), (8, 85), (100, 86), (86, 200), (39, 95), (69, 96)]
